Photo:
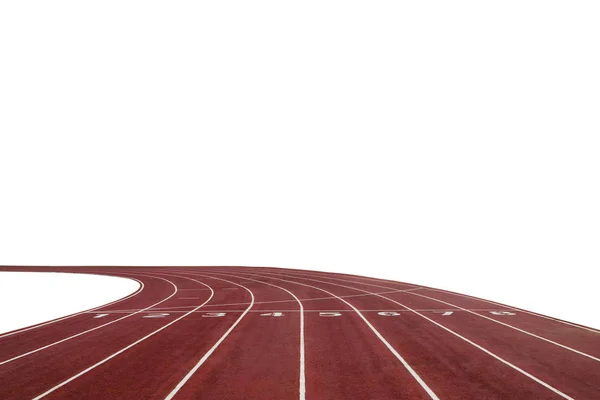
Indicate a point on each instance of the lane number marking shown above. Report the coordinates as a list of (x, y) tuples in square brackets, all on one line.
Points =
[(389, 313), (100, 315), (213, 315), (161, 315), (330, 314), (502, 313), (272, 314)]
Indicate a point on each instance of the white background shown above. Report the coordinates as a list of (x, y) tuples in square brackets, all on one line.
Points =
[(61, 294), (451, 144)]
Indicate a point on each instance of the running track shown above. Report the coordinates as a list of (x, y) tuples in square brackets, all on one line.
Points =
[(269, 333)]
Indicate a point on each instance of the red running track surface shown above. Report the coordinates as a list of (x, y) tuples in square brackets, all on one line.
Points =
[(270, 333)]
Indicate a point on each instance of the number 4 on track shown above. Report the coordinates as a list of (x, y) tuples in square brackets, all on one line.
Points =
[(389, 313)]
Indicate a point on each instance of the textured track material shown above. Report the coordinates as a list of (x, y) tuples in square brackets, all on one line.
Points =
[(269, 333)]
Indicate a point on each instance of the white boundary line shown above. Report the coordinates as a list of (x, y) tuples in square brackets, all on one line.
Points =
[(427, 389), (302, 377), (432, 310), (546, 385), (272, 302), (486, 317), (125, 348), (517, 309), (286, 301), (212, 349), (138, 291), (458, 294), (515, 328), (92, 329)]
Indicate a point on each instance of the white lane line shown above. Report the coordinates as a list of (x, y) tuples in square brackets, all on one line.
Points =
[(435, 311), (95, 328), (302, 378), (85, 371), (483, 316), (289, 301), (430, 392), (517, 309), (469, 297), (82, 312), (558, 392), (212, 349), (515, 328)]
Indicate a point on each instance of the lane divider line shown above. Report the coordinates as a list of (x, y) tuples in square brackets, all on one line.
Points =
[(414, 374), (79, 313), (92, 329), (472, 298), (546, 385), (486, 317), (85, 371), (302, 375), (214, 347)]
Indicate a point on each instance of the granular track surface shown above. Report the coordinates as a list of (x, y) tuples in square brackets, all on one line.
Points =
[(270, 333)]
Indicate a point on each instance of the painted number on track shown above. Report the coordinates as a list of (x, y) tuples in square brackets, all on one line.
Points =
[(272, 314), (161, 315), (389, 313), (213, 315), (330, 314), (502, 313), (100, 315)]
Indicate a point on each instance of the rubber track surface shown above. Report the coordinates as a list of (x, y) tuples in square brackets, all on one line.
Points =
[(270, 333)]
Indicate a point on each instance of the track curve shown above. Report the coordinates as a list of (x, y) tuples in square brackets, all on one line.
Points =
[(272, 333)]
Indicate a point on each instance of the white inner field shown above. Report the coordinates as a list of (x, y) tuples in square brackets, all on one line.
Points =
[(29, 298)]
